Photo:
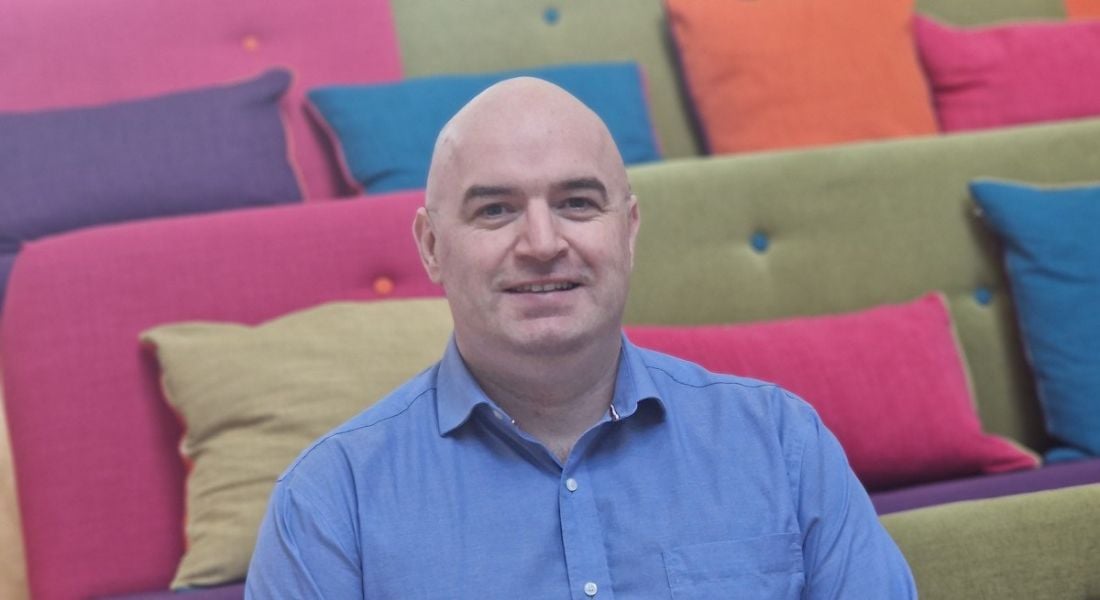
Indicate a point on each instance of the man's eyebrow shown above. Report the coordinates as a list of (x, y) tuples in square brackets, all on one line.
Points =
[(583, 183), (486, 191)]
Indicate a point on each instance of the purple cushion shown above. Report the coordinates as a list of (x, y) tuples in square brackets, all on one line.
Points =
[(196, 151), (226, 592), (989, 486)]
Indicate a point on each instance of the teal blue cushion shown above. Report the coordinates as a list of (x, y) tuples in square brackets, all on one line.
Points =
[(1052, 256), (386, 132)]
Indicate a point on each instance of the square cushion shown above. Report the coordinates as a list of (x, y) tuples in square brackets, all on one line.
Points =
[(889, 382), (385, 133), (1083, 9), (782, 74), (1053, 263), (1011, 74), (197, 151), (251, 398)]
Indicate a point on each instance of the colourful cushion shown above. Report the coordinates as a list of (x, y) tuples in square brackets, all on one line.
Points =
[(1010, 74), (252, 398), (386, 132), (781, 74), (74, 55), (1053, 264), (1083, 9), (198, 151), (890, 382)]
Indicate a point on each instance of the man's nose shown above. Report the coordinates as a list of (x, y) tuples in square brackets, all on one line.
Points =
[(540, 237)]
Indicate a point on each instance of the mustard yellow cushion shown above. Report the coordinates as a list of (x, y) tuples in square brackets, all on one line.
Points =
[(252, 398)]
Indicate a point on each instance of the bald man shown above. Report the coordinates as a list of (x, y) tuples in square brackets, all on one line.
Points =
[(545, 456)]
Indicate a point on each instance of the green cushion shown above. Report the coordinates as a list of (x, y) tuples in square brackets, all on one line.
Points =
[(978, 12), (252, 398), (848, 227), (1026, 547), (472, 36)]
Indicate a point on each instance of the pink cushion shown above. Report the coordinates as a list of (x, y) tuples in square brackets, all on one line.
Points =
[(78, 53), (95, 446), (1011, 74), (888, 381)]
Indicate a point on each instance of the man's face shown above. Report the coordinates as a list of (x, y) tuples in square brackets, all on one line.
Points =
[(532, 236)]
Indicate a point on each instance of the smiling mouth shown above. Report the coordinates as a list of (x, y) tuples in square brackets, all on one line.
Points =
[(543, 288)]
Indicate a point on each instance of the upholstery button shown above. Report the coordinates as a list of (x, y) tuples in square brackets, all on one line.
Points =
[(383, 286), (551, 15), (983, 296), (760, 242), (590, 589), (250, 43), (571, 484)]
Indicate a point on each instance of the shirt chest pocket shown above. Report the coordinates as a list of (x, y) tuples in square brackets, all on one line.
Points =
[(760, 568)]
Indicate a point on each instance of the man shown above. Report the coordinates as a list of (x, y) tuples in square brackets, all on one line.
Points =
[(545, 456)]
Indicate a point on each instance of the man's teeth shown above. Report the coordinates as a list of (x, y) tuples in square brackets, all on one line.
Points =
[(539, 288)]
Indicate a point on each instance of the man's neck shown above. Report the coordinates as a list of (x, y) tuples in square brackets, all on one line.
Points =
[(554, 398)]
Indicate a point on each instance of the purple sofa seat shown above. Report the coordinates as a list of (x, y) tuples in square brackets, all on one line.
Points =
[(989, 486)]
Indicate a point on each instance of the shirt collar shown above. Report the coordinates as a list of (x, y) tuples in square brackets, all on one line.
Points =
[(458, 393)]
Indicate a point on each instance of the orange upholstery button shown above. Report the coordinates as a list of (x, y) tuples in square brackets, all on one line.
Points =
[(383, 286), (250, 43)]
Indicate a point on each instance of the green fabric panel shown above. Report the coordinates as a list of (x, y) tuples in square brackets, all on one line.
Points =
[(982, 12), (1044, 545), (493, 35), (851, 227)]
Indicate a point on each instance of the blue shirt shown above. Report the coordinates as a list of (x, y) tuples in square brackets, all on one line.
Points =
[(695, 485)]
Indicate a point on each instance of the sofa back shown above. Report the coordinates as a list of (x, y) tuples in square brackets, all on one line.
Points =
[(850, 227)]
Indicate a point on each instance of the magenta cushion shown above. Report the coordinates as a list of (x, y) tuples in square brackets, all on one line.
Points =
[(95, 446), (888, 381), (62, 54), (1011, 74)]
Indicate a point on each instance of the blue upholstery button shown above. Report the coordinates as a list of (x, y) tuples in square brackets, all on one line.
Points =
[(760, 242), (551, 15), (983, 296)]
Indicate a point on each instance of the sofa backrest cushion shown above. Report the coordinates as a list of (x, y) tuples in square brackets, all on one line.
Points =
[(73, 54), (742, 238), (99, 473)]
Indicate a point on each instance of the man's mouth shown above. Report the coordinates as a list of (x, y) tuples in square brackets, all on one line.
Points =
[(542, 288)]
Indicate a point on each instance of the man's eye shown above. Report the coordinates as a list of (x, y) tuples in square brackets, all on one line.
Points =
[(492, 210), (579, 203)]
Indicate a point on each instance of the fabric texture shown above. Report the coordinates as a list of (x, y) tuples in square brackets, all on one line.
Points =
[(1049, 477), (1053, 263), (769, 75), (386, 132), (888, 381), (695, 485), (253, 397), (1010, 74), (198, 151)]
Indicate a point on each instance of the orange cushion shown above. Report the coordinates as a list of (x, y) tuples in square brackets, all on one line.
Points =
[(1083, 9), (786, 73)]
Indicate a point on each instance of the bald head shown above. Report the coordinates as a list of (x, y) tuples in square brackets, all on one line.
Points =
[(526, 115)]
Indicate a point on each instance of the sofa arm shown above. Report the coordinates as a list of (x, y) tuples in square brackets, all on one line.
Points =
[(1030, 546)]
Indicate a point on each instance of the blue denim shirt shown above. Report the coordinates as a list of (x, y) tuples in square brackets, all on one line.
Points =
[(694, 485)]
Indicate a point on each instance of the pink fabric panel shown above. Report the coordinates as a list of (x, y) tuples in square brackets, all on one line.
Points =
[(100, 480), (1011, 74), (56, 54), (887, 381)]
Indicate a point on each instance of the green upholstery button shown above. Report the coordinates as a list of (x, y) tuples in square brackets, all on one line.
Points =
[(983, 296), (551, 15), (760, 242)]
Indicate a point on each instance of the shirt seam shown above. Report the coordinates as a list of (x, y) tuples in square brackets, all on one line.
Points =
[(740, 383)]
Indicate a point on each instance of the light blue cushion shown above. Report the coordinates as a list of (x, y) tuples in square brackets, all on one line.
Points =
[(386, 132), (1052, 254)]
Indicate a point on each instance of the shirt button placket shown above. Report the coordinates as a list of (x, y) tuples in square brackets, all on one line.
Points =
[(582, 535)]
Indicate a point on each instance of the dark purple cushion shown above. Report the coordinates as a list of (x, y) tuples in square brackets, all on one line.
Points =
[(195, 151), (989, 486), (225, 592)]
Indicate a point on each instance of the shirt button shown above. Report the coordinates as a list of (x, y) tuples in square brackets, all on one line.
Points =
[(571, 485), (590, 589)]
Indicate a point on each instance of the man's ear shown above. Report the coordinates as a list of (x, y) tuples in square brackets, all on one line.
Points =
[(426, 243), (635, 223)]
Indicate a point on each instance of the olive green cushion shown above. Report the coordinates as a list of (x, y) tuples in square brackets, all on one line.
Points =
[(1039, 546), (850, 227), (251, 398)]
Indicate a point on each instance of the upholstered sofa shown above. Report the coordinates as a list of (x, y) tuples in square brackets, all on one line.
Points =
[(758, 236)]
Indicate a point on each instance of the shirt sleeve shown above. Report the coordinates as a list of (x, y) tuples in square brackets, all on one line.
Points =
[(299, 553), (846, 551)]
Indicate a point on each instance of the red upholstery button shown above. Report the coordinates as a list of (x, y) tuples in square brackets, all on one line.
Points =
[(383, 286), (250, 43)]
